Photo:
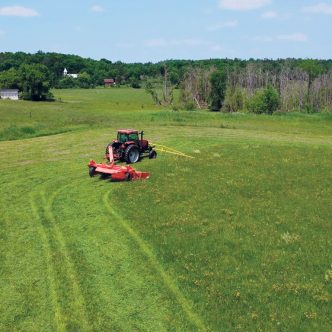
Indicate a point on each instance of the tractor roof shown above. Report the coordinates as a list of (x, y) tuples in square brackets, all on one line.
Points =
[(128, 131)]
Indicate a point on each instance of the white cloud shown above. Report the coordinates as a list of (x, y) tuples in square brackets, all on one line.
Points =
[(126, 45), (296, 37), (160, 42), (18, 11), (243, 4), (221, 25), (264, 39), (217, 48), (270, 15), (163, 43), (97, 9), (320, 8)]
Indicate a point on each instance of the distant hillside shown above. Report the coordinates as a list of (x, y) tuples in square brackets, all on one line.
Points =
[(229, 85), (134, 73)]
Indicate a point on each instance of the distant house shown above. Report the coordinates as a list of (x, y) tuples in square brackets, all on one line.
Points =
[(65, 73), (9, 94), (109, 82)]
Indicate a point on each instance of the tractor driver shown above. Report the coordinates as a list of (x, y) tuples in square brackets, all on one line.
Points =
[(123, 138)]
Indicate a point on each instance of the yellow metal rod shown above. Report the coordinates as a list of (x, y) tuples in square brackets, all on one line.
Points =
[(166, 149)]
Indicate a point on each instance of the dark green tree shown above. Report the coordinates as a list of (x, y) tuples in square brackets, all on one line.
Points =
[(67, 82), (264, 101), (84, 81), (35, 82), (9, 79), (218, 81), (312, 67)]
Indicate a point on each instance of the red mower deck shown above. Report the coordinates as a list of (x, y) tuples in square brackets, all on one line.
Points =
[(116, 172)]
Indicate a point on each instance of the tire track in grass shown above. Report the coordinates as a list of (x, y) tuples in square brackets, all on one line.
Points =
[(39, 215), (51, 235), (121, 327), (78, 298), (147, 251)]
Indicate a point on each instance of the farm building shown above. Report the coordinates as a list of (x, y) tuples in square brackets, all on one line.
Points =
[(109, 82), (9, 94), (65, 73)]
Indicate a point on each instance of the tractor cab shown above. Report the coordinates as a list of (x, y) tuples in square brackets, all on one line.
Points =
[(128, 135)]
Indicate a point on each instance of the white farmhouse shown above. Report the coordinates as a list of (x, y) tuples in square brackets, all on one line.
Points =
[(9, 94), (65, 73)]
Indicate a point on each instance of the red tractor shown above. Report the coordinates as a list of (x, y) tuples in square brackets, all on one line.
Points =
[(130, 146)]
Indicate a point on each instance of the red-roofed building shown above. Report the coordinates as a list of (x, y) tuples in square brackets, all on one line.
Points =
[(109, 82)]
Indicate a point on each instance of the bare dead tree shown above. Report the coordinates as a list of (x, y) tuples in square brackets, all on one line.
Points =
[(164, 97), (293, 84), (196, 86)]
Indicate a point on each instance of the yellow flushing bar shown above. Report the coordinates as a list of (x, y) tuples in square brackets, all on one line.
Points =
[(166, 149)]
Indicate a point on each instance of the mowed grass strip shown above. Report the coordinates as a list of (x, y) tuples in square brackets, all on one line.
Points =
[(242, 231), (93, 276), (146, 250)]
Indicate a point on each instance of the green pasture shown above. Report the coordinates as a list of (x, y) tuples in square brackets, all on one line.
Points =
[(76, 109), (238, 238)]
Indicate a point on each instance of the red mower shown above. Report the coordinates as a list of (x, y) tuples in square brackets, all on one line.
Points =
[(115, 172)]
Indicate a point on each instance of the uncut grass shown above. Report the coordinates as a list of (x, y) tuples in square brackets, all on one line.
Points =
[(249, 244), (122, 107)]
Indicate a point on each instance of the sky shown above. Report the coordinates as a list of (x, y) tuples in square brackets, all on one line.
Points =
[(152, 31)]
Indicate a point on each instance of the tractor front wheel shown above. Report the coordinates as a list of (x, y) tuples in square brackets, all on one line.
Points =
[(132, 154), (92, 171), (128, 177), (152, 154)]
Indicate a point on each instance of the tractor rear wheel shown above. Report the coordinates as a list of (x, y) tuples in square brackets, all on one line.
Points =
[(92, 171), (132, 154), (152, 154)]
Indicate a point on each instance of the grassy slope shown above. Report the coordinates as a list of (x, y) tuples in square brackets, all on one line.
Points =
[(238, 238), (80, 110)]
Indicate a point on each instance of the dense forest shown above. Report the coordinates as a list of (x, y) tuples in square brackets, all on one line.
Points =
[(229, 85)]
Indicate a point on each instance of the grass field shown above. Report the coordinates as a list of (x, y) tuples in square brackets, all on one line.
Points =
[(238, 238)]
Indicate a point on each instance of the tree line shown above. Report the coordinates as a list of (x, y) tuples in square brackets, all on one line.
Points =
[(261, 86), (229, 85)]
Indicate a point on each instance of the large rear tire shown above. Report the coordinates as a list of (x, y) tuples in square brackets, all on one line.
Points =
[(132, 154)]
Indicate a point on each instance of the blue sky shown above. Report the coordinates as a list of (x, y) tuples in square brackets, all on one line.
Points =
[(147, 30)]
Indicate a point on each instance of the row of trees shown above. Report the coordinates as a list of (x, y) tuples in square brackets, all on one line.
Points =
[(218, 84), (299, 89), (260, 89), (32, 80), (128, 73)]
